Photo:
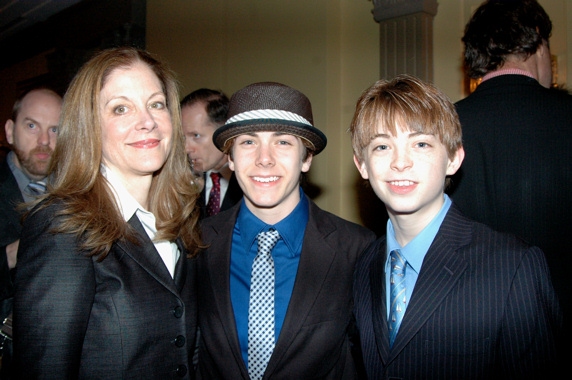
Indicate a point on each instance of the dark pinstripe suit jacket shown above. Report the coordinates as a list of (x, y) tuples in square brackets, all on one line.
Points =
[(483, 307), (122, 318)]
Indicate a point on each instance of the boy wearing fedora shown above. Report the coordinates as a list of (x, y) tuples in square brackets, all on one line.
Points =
[(275, 297)]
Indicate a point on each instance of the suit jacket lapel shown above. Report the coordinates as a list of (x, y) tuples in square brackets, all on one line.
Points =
[(11, 196), (147, 256), (315, 260), (219, 258), (203, 197), (441, 270), (181, 267), (379, 304), (233, 194)]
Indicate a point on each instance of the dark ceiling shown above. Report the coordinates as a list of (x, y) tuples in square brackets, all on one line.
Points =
[(18, 15), (31, 27)]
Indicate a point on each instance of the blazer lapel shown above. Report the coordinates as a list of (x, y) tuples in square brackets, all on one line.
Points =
[(181, 267), (379, 304), (315, 260), (202, 199), (218, 256), (233, 194), (441, 270), (11, 197), (147, 256)]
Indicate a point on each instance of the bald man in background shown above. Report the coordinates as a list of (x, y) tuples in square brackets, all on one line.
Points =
[(31, 132)]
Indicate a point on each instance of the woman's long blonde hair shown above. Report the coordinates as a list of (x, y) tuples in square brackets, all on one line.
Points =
[(89, 209)]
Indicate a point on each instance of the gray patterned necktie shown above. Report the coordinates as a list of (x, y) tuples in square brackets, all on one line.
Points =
[(36, 188), (261, 306), (398, 297)]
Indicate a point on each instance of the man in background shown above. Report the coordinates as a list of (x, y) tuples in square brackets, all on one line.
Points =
[(517, 134), (31, 132), (202, 112)]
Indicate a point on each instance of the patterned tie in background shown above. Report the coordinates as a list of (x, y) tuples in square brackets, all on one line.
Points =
[(213, 207), (398, 297), (261, 307), (36, 188)]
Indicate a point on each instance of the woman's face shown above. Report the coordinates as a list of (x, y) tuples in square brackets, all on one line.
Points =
[(136, 124)]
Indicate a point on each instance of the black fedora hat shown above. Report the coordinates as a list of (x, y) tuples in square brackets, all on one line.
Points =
[(270, 106)]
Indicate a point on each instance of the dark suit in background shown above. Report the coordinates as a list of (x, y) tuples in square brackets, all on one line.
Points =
[(475, 286), (10, 231), (517, 173), (134, 319), (313, 343)]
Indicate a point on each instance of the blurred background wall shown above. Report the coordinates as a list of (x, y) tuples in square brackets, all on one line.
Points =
[(328, 49)]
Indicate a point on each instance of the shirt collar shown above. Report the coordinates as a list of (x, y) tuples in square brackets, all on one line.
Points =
[(127, 204), (500, 72), (289, 228), (414, 252), (21, 178)]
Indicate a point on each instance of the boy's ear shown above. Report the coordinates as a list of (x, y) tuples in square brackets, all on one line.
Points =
[(230, 162), (306, 164), (455, 163), (361, 168)]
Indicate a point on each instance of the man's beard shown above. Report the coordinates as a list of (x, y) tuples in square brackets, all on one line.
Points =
[(29, 163)]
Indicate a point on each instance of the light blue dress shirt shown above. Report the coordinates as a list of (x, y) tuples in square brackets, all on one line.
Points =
[(414, 252)]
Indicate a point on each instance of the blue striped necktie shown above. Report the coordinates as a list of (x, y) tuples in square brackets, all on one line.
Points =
[(398, 296)]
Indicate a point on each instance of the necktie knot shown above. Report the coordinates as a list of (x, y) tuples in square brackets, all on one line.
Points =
[(213, 206), (36, 188), (215, 178), (267, 241), (398, 296)]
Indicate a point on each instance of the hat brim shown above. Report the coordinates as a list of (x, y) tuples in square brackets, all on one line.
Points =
[(307, 132)]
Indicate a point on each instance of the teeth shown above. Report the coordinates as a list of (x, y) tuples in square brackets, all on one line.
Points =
[(265, 179), (401, 183)]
